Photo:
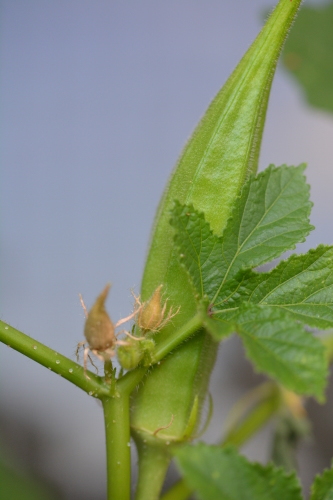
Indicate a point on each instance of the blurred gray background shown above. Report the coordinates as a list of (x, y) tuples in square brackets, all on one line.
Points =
[(97, 101)]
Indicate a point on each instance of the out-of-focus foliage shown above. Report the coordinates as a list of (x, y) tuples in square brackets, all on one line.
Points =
[(14, 485), (308, 54), (222, 474), (322, 488)]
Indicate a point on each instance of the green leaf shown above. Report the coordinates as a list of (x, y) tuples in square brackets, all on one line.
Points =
[(217, 473), (282, 348), (269, 217), (301, 285), (308, 54), (322, 487)]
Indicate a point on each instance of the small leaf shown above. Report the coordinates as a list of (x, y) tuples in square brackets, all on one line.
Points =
[(322, 487), (283, 349), (308, 54), (301, 285), (217, 473)]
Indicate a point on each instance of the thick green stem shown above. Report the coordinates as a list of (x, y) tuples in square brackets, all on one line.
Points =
[(153, 465), (118, 446), (52, 360)]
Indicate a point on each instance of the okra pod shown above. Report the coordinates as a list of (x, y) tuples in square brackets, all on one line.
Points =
[(222, 152)]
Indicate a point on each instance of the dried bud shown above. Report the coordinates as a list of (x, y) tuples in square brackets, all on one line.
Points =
[(99, 329), (151, 314)]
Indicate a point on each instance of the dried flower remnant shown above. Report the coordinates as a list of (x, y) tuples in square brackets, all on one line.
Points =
[(100, 331), (152, 315)]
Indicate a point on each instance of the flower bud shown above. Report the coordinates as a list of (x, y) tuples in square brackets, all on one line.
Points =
[(129, 356)]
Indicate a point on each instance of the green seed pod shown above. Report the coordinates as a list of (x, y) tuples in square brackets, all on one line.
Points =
[(99, 329)]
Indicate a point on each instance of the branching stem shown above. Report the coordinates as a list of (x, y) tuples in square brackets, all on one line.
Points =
[(68, 369), (114, 395)]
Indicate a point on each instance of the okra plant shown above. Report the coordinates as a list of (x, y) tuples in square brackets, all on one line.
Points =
[(216, 224)]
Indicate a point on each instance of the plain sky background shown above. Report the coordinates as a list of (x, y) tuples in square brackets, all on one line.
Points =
[(97, 100)]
